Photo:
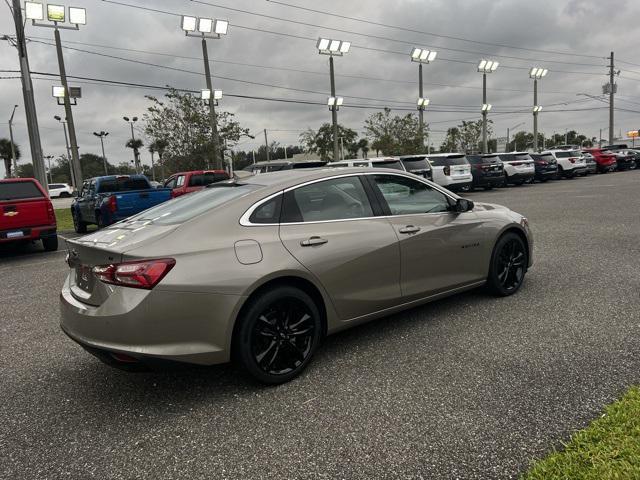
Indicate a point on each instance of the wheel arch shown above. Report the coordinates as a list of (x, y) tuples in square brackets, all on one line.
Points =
[(517, 229)]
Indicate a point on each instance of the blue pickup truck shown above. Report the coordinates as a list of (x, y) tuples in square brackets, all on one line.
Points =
[(106, 200)]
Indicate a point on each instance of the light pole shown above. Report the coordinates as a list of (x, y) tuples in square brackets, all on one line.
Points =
[(74, 184), (103, 134), (333, 48), (422, 56), (48, 159), (57, 15), (13, 148), (136, 160), (512, 128), (214, 29), (536, 73), (484, 67)]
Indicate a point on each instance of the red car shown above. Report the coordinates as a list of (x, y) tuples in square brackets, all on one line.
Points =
[(187, 182), (606, 161), (26, 213)]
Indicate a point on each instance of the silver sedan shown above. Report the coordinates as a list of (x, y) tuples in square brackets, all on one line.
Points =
[(259, 270)]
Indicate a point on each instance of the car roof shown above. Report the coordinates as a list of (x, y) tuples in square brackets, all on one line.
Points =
[(198, 172), (287, 178)]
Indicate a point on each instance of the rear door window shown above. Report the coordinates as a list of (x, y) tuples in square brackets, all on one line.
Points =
[(122, 184), (19, 190)]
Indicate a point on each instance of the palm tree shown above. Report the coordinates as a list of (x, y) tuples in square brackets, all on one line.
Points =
[(6, 155), (136, 144), (159, 146)]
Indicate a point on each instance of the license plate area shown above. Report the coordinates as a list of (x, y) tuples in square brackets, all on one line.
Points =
[(84, 278), (15, 234)]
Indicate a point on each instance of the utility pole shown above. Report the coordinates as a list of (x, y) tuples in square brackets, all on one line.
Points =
[(75, 157), (508, 149), (484, 113), (27, 93), (74, 182), (285, 152), (253, 155), (334, 110), (49, 157), (101, 135), (266, 145), (420, 110), (218, 162), (611, 95), (13, 148), (535, 114)]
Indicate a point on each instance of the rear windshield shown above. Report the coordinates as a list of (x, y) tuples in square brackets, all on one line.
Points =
[(308, 164), (514, 157), (186, 207), (204, 179), (393, 164), (123, 184), (448, 161), (547, 157), (567, 154), (478, 160), (19, 190), (417, 163)]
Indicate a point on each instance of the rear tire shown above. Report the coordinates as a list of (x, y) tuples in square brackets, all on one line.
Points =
[(100, 221), (277, 335), (509, 262), (78, 225), (50, 244)]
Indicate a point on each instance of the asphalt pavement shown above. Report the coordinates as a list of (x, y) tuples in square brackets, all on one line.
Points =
[(468, 387)]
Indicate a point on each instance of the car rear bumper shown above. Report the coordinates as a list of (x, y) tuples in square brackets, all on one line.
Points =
[(486, 181), (521, 176), (153, 325), (456, 187), (542, 174), (28, 233)]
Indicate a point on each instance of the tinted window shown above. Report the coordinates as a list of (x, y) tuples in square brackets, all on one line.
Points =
[(123, 184), (171, 183), (360, 164), (448, 161), (268, 212), (277, 167), (406, 196), (547, 157), (478, 159), (335, 165), (18, 190), (417, 163), (567, 154), (56, 185), (204, 179), (335, 199), (393, 164), (308, 164), (186, 207)]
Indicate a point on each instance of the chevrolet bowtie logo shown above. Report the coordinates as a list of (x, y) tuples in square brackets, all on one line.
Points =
[(10, 214)]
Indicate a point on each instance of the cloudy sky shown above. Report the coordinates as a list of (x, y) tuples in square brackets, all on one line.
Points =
[(274, 45)]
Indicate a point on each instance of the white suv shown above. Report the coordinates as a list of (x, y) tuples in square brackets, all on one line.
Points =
[(451, 170), (377, 162), (60, 190), (570, 162), (519, 167)]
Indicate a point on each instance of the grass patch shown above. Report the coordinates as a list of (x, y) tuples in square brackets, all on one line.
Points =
[(609, 448), (64, 219)]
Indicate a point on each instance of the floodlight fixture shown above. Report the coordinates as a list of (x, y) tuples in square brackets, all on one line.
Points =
[(537, 109), (205, 25), (57, 91), (488, 66), (334, 46), (217, 94), (486, 107), (423, 55), (344, 47), (335, 102), (328, 46), (34, 11), (537, 73), (423, 103), (77, 16), (205, 94), (188, 23), (55, 13), (221, 27)]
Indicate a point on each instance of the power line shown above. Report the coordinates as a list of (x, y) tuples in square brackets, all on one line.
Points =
[(422, 32)]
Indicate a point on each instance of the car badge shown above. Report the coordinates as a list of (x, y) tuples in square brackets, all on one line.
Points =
[(10, 214)]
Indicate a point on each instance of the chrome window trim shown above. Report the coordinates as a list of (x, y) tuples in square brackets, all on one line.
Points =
[(244, 219)]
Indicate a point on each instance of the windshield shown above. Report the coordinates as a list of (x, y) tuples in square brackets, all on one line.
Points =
[(122, 184), (19, 190), (449, 160), (393, 164), (190, 206), (477, 159), (414, 164)]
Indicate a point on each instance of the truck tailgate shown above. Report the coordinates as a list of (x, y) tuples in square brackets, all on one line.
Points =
[(130, 203), (24, 213)]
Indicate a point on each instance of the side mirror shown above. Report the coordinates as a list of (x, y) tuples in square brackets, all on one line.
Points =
[(463, 205), (76, 194)]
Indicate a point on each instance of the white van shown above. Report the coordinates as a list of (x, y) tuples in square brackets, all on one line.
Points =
[(451, 170)]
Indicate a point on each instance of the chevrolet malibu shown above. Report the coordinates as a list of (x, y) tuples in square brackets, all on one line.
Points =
[(259, 270)]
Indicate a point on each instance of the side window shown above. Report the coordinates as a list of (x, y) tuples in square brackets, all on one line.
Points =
[(360, 164), (335, 199), (171, 183), (406, 196), (268, 212), (85, 188), (92, 187), (180, 181)]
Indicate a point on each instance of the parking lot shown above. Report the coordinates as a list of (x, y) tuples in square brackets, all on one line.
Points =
[(468, 387)]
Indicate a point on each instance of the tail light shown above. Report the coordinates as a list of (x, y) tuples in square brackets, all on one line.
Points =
[(447, 170), (144, 274), (572, 159), (516, 164), (51, 215), (113, 204)]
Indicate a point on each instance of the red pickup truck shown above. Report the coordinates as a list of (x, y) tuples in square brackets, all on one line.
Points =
[(26, 213), (187, 182)]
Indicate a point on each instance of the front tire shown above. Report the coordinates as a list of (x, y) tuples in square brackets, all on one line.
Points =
[(509, 263), (278, 334), (78, 225)]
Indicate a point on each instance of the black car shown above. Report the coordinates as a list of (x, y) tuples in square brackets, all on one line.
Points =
[(418, 165), (487, 171), (626, 160), (546, 166)]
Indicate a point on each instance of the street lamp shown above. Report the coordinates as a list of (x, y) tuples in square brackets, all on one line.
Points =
[(13, 148), (484, 67), (205, 95), (136, 159), (333, 48), (204, 28), (422, 56), (101, 135), (74, 183), (48, 159), (536, 73), (56, 14)]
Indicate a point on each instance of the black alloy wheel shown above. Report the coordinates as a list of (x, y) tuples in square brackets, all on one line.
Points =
[(278, 335), (508, 265)]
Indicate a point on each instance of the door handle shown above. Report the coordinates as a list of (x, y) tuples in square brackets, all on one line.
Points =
[(312, 241), (410, 229)]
